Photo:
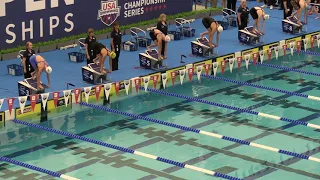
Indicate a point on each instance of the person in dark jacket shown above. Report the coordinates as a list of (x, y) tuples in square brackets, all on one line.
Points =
[(27, 67), (116, 40), (89, 41), (243, 15), (162, 26)]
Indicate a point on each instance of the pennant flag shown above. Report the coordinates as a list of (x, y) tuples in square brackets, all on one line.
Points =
[(155, 79), (312, 41), (291, 48), (1, 102), (261, 53), (247, 59), (305, 44), (137, 83), (10, 104), (117, 87), (45, 97), (190, 73), (231, 62), (97, 91), (298, 46), (255, 58), (269, 54), (87, 91), (55, 96), (199, 71), (173, 77), (318, 40), (77, 93), (146, 83), (182, 72), (126, 86), (107, 89), (239, 59), (215, 68), (66, 94), (207, 68), (22, 102), (223, 66), (164, 80), (276, 51), (284, 47)]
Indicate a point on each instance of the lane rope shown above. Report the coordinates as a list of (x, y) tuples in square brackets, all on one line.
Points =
[(270, 116), (35, 168), (198, 131), (261, 87), (127, 150)]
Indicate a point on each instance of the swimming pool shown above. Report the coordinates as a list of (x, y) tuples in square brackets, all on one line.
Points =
[(89, 161)]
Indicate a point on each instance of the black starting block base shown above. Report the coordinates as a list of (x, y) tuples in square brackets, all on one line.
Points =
[(29, 86), (249, 36), (201, 48), (291, 26), (91, 74), (149, 60)]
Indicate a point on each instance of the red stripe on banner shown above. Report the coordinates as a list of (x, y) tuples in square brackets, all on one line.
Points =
[(190, 73), (223, 65), (117, 84), (10, 104), (137, 83), (173, 77), (55, 98), (77, 94), (239, 60), (269, 54), (97, 91), (206, 68), (284, 47)]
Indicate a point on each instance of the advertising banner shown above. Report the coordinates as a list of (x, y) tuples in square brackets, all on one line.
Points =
[(44, 20)]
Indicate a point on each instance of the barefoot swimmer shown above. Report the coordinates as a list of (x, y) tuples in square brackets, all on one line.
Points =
[(39, 64)]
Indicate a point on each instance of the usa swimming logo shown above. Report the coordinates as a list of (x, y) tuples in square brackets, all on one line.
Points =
[(109, 12)]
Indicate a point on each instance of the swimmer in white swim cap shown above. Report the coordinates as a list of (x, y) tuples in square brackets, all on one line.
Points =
[(39, 64), (259, 16), (212, 27)]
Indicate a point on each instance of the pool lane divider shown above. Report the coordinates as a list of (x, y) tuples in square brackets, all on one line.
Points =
[(261, 87), (127, 150), (35, 168), (270, 116), (198, 131)]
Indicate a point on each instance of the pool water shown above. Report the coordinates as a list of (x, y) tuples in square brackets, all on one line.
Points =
[(92, 162)]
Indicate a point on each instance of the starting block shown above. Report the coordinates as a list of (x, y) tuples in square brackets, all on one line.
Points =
[(149, 60), (249, 35), (91, 74), (201, 47), (29, 86), (290, 25)]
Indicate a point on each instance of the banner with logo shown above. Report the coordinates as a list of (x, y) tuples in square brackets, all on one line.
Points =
[(39, 20), (154, 81), (29, 112), (225, 59), (206, 66), (312, 39), (92, 97), (266, 49), (61, 106), (170, 74), (294, 41)]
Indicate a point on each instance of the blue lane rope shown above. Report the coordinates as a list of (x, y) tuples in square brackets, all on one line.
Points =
[(315, 126), (261, 87), (127, 150), (305, 52), (35, 168), (198, 131)]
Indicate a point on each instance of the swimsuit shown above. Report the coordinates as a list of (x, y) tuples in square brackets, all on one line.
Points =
[(34, 63), (207, 21), (153, 35)]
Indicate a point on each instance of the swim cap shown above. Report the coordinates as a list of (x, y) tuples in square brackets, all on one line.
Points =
[(48, 69), (220, 28), (113, 55), (266, 17), (167, 38)]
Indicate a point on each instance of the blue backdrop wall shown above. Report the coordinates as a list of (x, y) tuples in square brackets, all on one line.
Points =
[(43, 20)]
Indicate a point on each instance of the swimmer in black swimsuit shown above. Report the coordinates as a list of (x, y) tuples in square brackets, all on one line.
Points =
[(314, 5), (102, 52), (258, 15), (157, 37), (299, 6), (212, 26)]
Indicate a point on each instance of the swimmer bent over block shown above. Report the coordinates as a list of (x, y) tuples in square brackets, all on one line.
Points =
[(212, 27), (39, 64)]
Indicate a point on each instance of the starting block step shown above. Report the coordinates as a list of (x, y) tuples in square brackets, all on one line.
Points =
[(249, 35), (91, 74), (29, 86), (201, 47), (290, 25), (149, 60)]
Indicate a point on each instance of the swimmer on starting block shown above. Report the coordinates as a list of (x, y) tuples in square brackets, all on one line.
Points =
[(313, 7), (299, 6), (258, 16), (157, 37), (212, 26), (39, 64), (102, 52)]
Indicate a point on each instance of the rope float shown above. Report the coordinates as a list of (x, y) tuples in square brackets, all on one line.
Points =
[(315, 126), (35, 168), (127, 150), (198, 131), (261, 87)]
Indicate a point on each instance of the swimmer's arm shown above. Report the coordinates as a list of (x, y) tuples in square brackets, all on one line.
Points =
[(101, 61), (38, 72), (48, 78), (24, 64), (155, 44), (204, 33), (211, 34)]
